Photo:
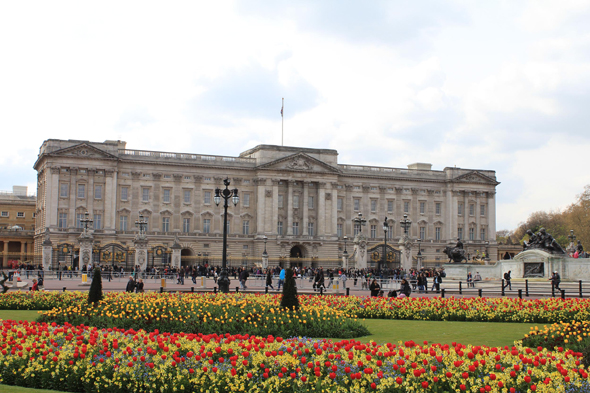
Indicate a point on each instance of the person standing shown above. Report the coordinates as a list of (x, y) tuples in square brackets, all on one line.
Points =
[(139, 286), (269, 279), (507, 278), (469, 280), (343, 279), (555, 280), (243, 277), (281, 279), (130, 285), (375, 288)]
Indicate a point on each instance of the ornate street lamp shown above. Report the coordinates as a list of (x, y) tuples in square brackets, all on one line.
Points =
[(86, 221), (405, 224), (226, 194), (345, 253), (385, 229), (142, 225), (265, 254), (487, 243), (419, 250), (361, 221)]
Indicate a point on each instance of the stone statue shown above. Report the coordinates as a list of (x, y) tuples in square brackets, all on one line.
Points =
[(457, 253), (542, 241)]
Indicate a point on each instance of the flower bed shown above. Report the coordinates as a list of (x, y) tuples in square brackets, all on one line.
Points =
[(574, 335), (209, 313), (40, 300), (81, 358)]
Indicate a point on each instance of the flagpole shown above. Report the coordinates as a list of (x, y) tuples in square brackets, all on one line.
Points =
[(282, 122)]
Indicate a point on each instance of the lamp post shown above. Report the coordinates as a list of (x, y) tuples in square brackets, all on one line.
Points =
[(141, 223), (419, 255), (86, 221), (264, 253), (385, 228), (226, 194), (361, 221), (405, 223), (345, 253)]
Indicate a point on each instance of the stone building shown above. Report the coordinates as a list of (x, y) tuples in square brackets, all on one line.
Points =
[(301, 199), (17, 226)]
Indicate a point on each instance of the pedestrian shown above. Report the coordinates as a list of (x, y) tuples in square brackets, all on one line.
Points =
[(555, 280), (139, 286), (507, 279), (343, 279), (405, 288), (469, 280), (130, 285), (281, 279), (375, 288), (35, 286), (476, 278), (269, 279), (243, 277)]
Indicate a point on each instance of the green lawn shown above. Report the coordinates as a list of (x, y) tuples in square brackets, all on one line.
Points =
[(384, 331)]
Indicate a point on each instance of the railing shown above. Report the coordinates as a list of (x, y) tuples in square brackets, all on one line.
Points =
[(363, 168), (184, 156)]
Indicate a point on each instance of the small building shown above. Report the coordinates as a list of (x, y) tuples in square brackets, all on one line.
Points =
[(17, 226)]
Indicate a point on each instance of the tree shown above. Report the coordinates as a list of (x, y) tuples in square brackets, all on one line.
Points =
[(95, 293), (290, 299)]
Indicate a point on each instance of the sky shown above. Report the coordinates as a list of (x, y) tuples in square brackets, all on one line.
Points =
[(495, 85)]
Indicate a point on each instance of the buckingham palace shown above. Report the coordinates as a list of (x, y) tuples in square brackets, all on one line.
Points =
[(298, 204)]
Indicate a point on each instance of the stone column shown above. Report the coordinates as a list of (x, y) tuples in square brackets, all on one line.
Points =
[(264, 261), (321, 216), (22, 251), (52, 200), (289, 207), (451, 215), (333, 231), (305, 208), (176, 249), (275, 206), (345, 261), (110, 204), (360, 247), (47, 253), (405, 245), (491, 216), (85, 240), (260, 203), (5, 254)]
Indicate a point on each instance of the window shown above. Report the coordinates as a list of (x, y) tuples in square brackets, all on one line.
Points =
[(373, 205), (79, 218), (437, 233), (296, 228), (206, 225), (145, 194), (166, 196), (98, 191), (207, 197), (422, 233), (124, 193), (422, 207), (246, 200), (340, 203), (81, 190), (460, 209), (62, 221), (357, 205), (406, 207), (295, 201), (471, 209), (310, 231), (63, 190), (186, 225), (20, 214), (122, 223), (310, 201), (482, 234), (280, 202), (165, 224), (339, 230), (280, 228), (5, 214), (471, 233), (357, 229), (390, 232), (437, 208), (187, 196), (482, 210), (373, 231), (245, 227), (98, 221), (460, 233), (390, 206), (34, 215)]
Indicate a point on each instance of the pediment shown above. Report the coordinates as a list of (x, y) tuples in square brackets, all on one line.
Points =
[(475, 177), (299, 162), (83, 150)]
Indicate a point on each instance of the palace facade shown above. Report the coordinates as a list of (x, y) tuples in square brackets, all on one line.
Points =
[(301, 199)]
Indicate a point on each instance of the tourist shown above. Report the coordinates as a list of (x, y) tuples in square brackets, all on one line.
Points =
[(343, 279), (555, 280), (269, 279), (139, 286), (507, 278), (35, 286), (405, 288), (374, 288), (130, 285), (281, 279), (469, 280), (476, 278), (243, 277)]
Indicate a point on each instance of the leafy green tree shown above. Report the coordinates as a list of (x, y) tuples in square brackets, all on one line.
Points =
[(290, 299), (95, 293)]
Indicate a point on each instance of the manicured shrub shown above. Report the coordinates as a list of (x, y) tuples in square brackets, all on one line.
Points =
[(95, 293), (290, 299)]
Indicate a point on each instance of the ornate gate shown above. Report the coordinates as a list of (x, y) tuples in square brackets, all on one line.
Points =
[(392, 256), (64, 256), (115, 255), (160, 257)]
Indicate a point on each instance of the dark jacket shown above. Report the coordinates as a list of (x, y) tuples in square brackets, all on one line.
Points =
[(405, 289), (269, 278), (130, 286), (375, 288)]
